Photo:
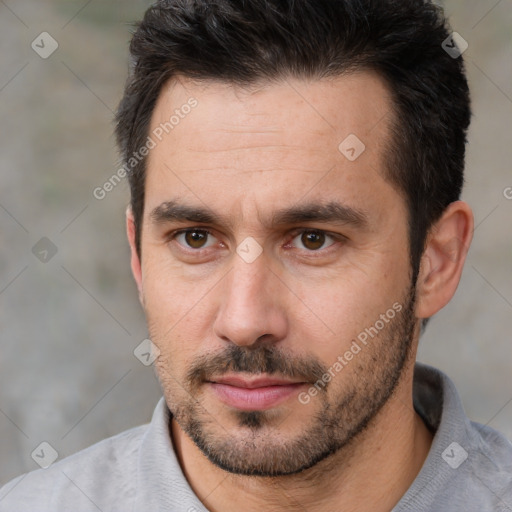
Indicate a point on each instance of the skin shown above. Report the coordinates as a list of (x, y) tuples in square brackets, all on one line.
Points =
[(245, 154)]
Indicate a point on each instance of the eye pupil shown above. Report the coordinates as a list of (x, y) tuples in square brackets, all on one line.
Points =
[(195, 239), (313, 239)]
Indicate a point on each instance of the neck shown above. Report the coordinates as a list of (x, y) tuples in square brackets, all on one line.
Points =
[(372, 473)]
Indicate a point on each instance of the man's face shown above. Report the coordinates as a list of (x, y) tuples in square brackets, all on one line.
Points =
[(273, 260)]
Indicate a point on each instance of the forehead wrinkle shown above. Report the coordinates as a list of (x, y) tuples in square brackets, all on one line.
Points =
[(244, 129), (250, 171), (259, 146)]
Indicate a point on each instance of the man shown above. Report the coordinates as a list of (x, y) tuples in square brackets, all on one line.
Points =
[(295, 172)]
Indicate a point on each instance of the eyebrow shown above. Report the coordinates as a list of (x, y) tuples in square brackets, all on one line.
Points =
[(174, 211), (333, 211)]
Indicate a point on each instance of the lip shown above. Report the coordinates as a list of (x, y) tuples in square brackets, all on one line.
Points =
[(253, 394)]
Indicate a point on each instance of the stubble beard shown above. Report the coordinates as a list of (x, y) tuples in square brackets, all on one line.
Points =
[(257, 447)]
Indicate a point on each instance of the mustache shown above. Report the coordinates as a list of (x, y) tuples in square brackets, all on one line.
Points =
[(254, 360)]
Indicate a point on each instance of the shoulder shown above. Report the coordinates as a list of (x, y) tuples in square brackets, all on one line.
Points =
[(491, 462), (103, 473), (469, 466)]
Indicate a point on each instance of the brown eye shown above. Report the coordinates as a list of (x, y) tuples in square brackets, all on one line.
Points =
[(313, 240), (196, 239)]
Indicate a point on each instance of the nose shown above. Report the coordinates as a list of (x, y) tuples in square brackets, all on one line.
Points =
[(252, 305)]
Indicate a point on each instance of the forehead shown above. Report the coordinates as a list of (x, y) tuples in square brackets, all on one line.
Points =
[(273, 142), (291, 108)]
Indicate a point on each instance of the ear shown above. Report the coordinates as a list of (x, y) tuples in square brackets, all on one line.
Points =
[(442, 262), (135, 260)]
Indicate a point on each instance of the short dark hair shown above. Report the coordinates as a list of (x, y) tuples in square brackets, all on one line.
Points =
[(246, 41)]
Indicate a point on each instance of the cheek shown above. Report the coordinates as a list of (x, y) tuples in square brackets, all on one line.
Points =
[(175, 308), (341, 307), (168, 289)]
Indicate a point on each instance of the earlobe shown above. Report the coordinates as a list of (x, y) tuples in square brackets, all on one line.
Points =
[(135, 260), (443, 259)]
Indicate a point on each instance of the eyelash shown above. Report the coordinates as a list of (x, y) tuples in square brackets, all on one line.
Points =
[(335, 236)]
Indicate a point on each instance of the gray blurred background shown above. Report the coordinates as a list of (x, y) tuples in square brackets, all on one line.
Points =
[(70, 321)]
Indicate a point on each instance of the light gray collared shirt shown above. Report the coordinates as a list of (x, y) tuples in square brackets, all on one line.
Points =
[(468, 468)]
